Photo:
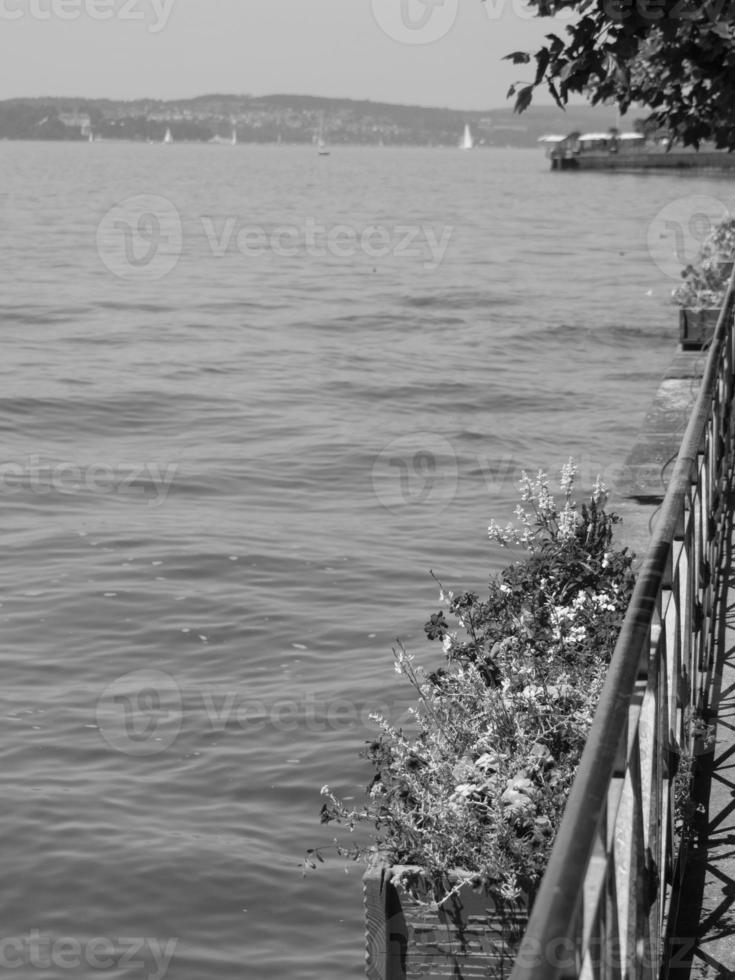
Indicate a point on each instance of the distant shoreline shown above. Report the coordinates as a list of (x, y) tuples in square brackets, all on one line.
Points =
[(290, 119), (293, 144)]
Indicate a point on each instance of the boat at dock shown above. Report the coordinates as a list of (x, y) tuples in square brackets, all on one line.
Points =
[(629, 151)]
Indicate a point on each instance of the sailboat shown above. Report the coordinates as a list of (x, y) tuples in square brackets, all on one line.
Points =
[(321, 145), (168, 138), (467, 142), (234, 137)]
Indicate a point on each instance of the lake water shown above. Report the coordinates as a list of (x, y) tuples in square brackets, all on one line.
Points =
[(250, 398)]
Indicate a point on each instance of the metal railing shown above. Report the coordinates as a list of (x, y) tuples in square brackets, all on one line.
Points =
[(608, 900)]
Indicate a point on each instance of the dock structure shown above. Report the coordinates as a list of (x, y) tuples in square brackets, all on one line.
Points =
[(641, 881), (673, 160), (629, 151)]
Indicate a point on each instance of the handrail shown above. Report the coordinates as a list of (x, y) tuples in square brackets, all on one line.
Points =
[(606, 882)]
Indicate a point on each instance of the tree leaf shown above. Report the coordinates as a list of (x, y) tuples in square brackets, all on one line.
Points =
[(542, 61), (524, 98), (681, 65)]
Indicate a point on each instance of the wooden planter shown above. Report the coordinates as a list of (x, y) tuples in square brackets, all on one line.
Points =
[(470, 937), (696, 328)]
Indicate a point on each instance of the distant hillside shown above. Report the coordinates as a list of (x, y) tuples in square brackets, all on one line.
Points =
[(286, 118)]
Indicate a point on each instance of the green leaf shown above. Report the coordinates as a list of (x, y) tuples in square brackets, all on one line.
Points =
[(542, 62), (524, 98)]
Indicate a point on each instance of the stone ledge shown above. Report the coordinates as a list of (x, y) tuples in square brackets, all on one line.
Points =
[(657, 446), (642, 485)]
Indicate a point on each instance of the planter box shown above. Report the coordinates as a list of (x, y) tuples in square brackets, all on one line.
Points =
[(470, 937), (696, 328)]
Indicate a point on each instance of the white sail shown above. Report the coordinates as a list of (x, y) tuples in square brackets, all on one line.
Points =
[(467, 141), (321, 143), (168, 138)]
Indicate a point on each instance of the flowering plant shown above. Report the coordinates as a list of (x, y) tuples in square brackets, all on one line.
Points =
[(705, 282), (476, 791)]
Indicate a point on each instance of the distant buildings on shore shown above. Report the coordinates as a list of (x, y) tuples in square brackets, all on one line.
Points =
[(279, 118)]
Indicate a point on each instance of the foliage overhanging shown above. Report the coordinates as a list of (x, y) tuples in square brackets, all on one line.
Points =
[(675, 57)]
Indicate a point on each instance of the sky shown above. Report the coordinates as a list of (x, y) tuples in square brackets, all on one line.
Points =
[(422, 52)]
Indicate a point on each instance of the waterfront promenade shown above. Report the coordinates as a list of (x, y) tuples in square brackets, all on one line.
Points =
[(706, 922), (703, 933)]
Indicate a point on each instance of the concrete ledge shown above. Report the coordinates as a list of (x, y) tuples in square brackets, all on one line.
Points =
[(641, 488), (660, 437), (687, 364)]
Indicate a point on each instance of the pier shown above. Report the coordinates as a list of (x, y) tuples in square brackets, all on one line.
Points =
[(637, 160), (641, 883)]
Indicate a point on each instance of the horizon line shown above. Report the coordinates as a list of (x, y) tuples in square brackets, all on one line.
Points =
[(293, 95)]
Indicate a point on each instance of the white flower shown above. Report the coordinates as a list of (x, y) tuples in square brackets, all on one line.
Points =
[(510, 890), (604, 602), (488, 760), (526, 487), (518, 794), (532, 691), (464, 790), (599, 492), (568, 472), (577, 634), (567, 522), (563, 614)]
